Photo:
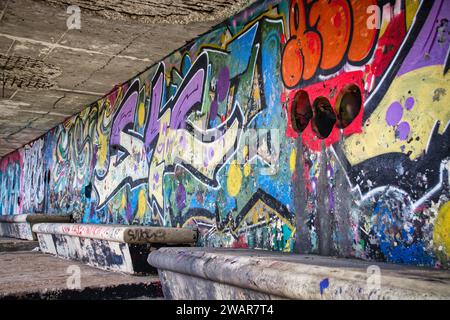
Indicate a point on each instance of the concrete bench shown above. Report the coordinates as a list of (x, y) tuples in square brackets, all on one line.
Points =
[(110, 247), (19, 226), (201, 273)]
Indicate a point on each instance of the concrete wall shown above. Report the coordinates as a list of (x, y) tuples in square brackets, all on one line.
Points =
[(290, 126)]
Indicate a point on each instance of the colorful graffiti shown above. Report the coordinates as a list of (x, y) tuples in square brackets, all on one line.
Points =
[(10, 175), (324, 35), (72, 162), (33, 176), (298, 126)]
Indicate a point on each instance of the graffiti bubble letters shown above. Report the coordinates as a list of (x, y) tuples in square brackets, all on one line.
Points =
[(324, 35)]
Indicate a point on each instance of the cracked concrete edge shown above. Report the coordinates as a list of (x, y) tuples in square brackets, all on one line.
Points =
[(41, 116), (118, 54), (153, 12), (75, 49), (28, 125)]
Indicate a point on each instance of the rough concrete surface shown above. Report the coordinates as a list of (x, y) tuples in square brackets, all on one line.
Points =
[(49, 72), (33, 275), (206, 273), (11, 244), (157, 11)]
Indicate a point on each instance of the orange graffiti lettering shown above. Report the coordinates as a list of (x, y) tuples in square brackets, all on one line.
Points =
[(324, 34)]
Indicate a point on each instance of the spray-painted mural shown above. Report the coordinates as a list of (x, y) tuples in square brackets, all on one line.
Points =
[(300, 126)]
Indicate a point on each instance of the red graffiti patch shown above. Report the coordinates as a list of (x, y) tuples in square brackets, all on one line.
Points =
[(332, 90)]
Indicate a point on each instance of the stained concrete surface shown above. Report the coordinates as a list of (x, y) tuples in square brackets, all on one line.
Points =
[(34, 275), (159, 11), (12, 244), (49, 72), (218, 273)]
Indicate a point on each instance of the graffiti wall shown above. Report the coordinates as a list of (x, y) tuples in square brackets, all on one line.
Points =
[(300, 126)]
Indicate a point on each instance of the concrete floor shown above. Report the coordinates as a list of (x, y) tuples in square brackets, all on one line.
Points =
[(34, 275)]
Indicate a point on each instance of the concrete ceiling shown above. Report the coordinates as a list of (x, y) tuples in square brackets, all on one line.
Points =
[(49, 72)]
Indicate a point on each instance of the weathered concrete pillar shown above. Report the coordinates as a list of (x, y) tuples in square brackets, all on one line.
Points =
[(324, 217), (302, 238), (343, 201)]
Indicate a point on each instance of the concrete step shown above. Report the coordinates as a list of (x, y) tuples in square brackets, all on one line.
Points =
[(207, 273), (34, 275), (12, 244)]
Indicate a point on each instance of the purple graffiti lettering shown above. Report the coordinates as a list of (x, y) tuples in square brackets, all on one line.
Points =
[(191, 95), (123, 118), (153, 122), (223, 84)]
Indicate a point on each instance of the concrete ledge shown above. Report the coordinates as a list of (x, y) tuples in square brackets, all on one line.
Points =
[(120, 233), (111, 247), (202, 273), (20, 225), (34, 218)]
